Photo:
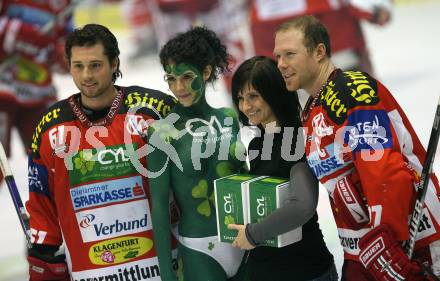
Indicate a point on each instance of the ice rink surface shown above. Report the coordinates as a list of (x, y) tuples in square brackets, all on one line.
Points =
[(406, 58)]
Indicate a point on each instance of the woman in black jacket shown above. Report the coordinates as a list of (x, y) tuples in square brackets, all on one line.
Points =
[(259, 92)]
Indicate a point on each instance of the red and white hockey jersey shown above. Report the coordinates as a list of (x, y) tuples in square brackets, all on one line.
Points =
[(88, 189), (356, 133), (30, 77)]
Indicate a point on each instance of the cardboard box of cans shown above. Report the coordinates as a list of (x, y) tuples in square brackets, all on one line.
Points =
[(243, 199)]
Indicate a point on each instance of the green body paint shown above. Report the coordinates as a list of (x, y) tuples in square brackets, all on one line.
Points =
[(200, 129)]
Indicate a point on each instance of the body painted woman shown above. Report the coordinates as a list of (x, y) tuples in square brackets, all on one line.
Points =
[(204, 140)]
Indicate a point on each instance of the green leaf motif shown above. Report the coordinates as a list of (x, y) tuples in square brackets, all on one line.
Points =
[(211, 246), (204, 208), (131, 254), (229, 219), (200, 190), (167, 132), (84, 163)]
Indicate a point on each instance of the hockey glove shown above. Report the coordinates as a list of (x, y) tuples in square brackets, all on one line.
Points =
[(45, 265), (40, 270), (348, 200), (385, 259)]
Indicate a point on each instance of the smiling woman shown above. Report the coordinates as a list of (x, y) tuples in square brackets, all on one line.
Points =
[(259, 92), (205, 141)]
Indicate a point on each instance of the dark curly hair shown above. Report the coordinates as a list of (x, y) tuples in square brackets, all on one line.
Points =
[(200, 47), (91, 34)]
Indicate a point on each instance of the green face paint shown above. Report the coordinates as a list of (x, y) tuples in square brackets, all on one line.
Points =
[(189, 76)]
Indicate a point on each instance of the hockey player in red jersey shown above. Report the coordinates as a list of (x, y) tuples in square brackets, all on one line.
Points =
[(363, 149), (341, 18), (28, 58), (86, 184)]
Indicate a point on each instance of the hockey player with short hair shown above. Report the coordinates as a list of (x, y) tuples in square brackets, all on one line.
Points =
[(87, 184), (363, 149)]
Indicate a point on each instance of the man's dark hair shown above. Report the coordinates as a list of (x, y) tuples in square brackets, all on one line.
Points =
[(263, 75), (199, 47), (92, 34), (314, 32)]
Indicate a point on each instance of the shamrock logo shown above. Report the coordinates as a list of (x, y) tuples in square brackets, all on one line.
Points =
[(168, 133), (229, 219), (200, 191), (211, 246), (161, 134), (84, 162)]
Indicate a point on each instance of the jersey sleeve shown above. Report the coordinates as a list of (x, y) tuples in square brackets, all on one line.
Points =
[(41, 206), (380, 172)]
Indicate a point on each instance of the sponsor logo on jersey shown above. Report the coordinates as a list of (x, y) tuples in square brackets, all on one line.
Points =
[(87, 221), (362, 90), (102, 193), (100, 164), (136, 125), (37, 176), (119, 250), (136, 99), (120, 225), (320, 127), (332, 162), (332, 101), (114, 220), (350, 243), (140, 270), (46, 119), (369, 130), (354, 89), (350, 238)]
